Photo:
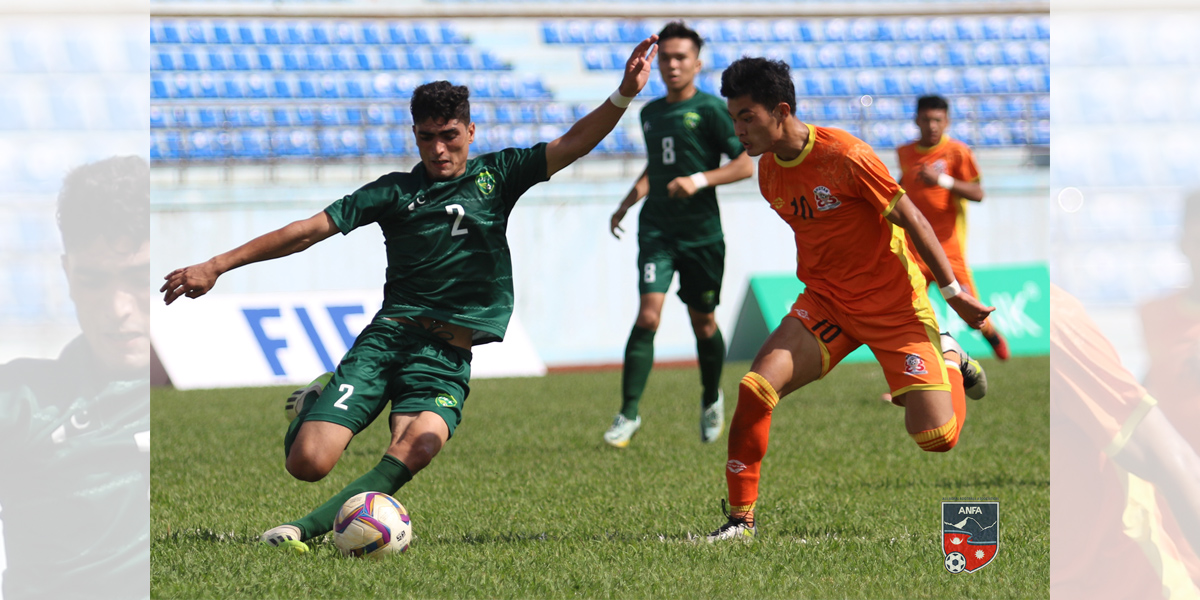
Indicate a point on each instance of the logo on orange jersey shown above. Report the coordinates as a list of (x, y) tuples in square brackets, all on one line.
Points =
[(803, 314), (825, 199), (914, 365), (777, 203), (939, 165), (735, 466)]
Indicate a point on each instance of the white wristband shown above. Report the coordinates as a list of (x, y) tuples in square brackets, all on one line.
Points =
[(699, 179), (620, 101), (952, 290), (945, 181)]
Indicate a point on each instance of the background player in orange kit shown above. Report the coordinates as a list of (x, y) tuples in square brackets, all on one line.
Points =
[(862, 285), (939, 174), (1126, 493)]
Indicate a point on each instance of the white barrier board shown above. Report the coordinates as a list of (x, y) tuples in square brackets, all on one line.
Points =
[(235, 340)]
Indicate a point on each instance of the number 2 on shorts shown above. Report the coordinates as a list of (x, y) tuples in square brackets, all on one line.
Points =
[(349, 389)]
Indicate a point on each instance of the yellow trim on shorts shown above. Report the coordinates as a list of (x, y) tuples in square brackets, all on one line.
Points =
[(1135, 419), (937, 387)]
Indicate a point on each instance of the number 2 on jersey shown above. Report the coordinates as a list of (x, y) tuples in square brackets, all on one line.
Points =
[(341, 402), (460, 212)]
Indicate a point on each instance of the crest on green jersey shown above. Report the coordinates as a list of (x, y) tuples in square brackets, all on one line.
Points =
[(447, 400), (485, 182), (691, 120)]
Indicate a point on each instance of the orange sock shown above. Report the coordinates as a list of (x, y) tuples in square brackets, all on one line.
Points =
[(748, 440), (942, 439)]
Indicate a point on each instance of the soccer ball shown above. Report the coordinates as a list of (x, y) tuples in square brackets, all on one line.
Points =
[(372, 524), (956, 562)]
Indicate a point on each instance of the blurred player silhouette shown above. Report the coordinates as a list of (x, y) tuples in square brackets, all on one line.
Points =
[(75, 431), (940, 175), (679, 227), (449, 286), (1115, 458), (862, 286)]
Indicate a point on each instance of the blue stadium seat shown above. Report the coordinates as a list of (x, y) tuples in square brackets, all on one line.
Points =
[(282, 88), (929, 55), (994, 133), (965, 132), (245, 33), (220, 33), (1016, 107), (1025, 79), (829, 56), (207, 117), (269, 61), (181, 117), (834, 110), (903, 55), (401, 115), (756, 31), (329, 144), (317, 59), (895, 82), (868, 82), (595, 58), (886, 109), (158, 118), (216, 61), (364, 60), (343, 59), (1018, 133), (1021, 27), (1000, 80), (352, 88), (303, 116), (854, 56), (200, 146), (373, 143), (328, 115), (194, 32), (256, 87), (968, 28), (419, 58), (807, 31), (946, 82), (344, 34), (293, 34), (181, 87), (165, 62), (253, 145), (233, 87), (600, 32), (1015, 53), (550, 33), (1042, 27), (863, 29), (376, 115), (1041, 107), (481, 86), (239, 60), (888, 30), (937, 29), (729, 32), (879, 55), (919, 82), (371, 33), (959, 54), (527, 112), (990, 107), (995, 28), (974, 81), (1041, 132), (399, 140), (305, 88), (391, 60), (572, 32), (271, 34), (504, 87), (420, 34), (327, 87), (631, 32), (442, 58), (1039, 53), (189, 61), (253, 117), (834, 30), (318, 32), (553, 112), (505, 113), (450, 35), (881, 135), (912, 29), (170, 33), (656, 88), (987, 54)]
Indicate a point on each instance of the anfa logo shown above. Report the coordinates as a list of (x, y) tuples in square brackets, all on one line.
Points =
[(735, 466), (691, 120), (970, 534), (914, 365), (446, 400), (825, 199), (485, 182)]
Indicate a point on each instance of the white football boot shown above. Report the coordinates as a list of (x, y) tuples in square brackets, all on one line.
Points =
[(622, 430), (712, 419)]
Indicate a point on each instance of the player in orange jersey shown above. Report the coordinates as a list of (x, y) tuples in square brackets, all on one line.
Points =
[(939, 174), (862, 285), (1121, 471)]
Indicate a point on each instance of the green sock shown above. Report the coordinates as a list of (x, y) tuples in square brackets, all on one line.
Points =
[(387, 477), (639, 358), (711, 354)]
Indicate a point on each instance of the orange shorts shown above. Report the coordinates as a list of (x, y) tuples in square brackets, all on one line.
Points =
[(905, 342)]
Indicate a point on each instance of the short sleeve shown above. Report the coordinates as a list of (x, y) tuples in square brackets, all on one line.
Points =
[(965, 167), (722, 132), (519, 169), (366, 205), (875, 183)]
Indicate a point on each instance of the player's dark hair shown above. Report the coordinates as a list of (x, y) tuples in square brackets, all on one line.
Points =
[(932, 103), (441, 100), (767, 82), (676, 29), (105, 200)]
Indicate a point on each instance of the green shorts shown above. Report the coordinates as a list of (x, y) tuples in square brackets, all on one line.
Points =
[(700, 271), (413, 369)]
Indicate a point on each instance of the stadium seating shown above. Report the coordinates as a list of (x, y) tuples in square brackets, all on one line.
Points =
[(264, 89)]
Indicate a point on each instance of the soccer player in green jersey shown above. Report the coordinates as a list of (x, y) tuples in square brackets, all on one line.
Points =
[(75, 430), (449, 286), (679, 228)]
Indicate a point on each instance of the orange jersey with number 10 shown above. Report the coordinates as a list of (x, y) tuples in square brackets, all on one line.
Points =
[(835, 195)]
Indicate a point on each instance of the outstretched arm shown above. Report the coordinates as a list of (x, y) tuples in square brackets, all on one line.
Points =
[(734, 170), (197, 280), (640, 188), (588, 131), (906, 215)]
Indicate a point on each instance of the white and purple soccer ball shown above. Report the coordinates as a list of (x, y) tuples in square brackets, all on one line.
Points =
[(372, 525)]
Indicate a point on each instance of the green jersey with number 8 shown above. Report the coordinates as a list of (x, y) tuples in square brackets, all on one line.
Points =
[(683, 138), (447, 250)]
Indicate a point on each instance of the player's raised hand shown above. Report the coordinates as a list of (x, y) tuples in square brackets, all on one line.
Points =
[(972, 311), (614, 224), (637, 68), (193, 282)]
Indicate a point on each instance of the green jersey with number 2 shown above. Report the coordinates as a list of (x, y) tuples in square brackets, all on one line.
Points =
[(683, 138), (447, 250)]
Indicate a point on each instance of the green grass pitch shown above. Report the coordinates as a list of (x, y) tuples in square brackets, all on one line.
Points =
[(527, 502)]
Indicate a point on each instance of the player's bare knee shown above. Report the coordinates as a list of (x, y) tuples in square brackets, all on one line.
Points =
[(308, 465), (648, 319), (704, 325)]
